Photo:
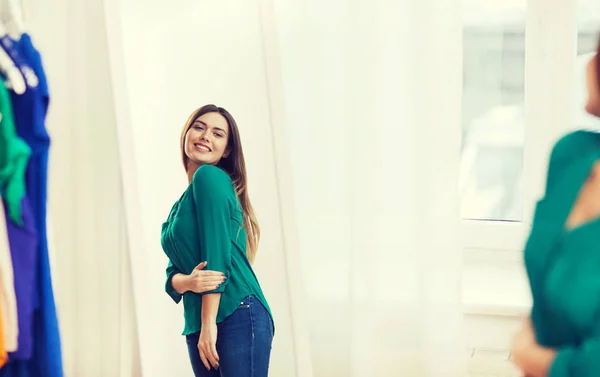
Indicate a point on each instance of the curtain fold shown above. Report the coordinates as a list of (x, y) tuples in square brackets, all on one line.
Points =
[(87, 240), (373, 98)]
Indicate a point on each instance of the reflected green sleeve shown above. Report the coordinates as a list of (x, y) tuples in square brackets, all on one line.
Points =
[(172, 271)]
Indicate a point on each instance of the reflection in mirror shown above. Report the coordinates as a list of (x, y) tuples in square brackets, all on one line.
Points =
[(334, 107), (285, 167), (214, 210)]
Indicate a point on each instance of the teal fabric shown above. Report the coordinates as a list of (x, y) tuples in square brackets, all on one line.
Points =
[(563, 265), (14, 156), (206, 224)]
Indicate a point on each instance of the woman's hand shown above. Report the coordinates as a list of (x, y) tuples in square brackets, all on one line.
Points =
[(533, 359), (200, 281), (207, 345), (523, 341)]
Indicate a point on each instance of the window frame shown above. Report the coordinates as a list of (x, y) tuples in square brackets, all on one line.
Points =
[(551, 33), (551, 30)]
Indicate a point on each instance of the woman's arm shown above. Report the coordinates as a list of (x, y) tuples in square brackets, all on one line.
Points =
[(207, 343), (199, 281), (213, 195), (580, 361), (531, 358), (180, 283), (537, 361), (210, 307)]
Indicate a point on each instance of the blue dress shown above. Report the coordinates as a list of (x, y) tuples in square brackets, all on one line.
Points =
[(21, 227), (30, 111)]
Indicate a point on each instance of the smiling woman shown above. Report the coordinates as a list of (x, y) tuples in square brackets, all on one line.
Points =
[(195, 139), (211, 136), (213, 222)]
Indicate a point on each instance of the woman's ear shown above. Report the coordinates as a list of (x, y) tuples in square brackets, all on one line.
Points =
[(594, 172), (593, 87), (227, 153)]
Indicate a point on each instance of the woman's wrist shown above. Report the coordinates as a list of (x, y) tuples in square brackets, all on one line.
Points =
[(181, 283), (539, 361), (208, 319)]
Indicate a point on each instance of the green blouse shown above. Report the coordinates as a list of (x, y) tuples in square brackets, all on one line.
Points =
[(563, 265), (14, 156), (206, 224)]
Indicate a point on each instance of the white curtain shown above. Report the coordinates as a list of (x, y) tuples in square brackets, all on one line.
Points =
[(372, 91), (373, 97), (87, 233)]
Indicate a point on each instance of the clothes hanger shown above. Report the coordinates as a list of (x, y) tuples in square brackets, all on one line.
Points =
[(13, 16), (17, 29), (15, 79)]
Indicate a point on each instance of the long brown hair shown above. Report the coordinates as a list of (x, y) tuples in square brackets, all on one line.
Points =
[(598, 62), (235, 166)]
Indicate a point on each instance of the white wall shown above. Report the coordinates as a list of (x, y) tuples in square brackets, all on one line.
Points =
[(177, 58)]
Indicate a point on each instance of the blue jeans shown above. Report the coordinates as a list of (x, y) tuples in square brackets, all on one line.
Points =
[(243, 343)]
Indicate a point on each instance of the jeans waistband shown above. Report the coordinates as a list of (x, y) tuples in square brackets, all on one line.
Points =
[(248, 300)]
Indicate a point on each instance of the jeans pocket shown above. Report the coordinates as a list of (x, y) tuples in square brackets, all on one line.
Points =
[(245, 304)]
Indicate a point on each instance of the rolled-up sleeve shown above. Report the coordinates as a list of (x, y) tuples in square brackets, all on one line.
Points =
[(213, 197), (580, 361), (172, 271)]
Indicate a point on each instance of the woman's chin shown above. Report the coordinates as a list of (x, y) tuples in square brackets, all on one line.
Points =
[(592, 109)]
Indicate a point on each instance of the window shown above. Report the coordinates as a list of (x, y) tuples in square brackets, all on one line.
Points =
[(493, 99), (523, 87)]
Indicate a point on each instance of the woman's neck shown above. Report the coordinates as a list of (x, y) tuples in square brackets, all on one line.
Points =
[(582, 212), (192, 168)]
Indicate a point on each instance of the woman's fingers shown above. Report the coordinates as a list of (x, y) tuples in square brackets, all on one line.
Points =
[(203, 357), (211, 277), (214, 280), (207, 281), (214, 357), (210, 273), (209, 355), (206, 288)]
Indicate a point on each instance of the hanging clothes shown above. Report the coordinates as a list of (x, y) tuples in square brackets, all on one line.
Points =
[(30, 111), (22, 234), (14, 157), (8, 299), (3, 352), (23, 242)]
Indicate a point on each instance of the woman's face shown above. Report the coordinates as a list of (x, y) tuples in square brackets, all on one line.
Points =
[(206, 140), (593, 87)]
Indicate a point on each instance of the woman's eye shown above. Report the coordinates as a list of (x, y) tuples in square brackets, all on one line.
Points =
[(198, 128), (218, 135)]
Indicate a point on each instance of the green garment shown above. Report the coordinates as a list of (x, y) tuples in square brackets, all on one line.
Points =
[(206, 224), (563, 265), (14, 156)]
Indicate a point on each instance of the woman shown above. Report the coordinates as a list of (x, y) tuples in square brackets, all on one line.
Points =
[(228, 328), (562, 257)]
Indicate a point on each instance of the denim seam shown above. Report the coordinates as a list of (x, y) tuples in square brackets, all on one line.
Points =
[(252, 339)]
